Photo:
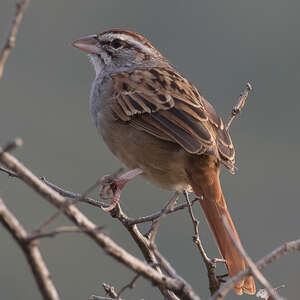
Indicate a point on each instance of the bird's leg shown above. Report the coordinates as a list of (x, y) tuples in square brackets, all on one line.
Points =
[(115, 185)]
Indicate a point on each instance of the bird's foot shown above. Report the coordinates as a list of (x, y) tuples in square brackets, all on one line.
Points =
[(113, 185)]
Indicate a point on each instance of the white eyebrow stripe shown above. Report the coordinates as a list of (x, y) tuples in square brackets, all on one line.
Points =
[(131, 40)]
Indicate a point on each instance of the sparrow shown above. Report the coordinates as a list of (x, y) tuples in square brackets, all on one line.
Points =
[(158, 125)]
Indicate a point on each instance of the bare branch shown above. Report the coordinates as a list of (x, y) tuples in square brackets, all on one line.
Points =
[(11, 39), (31, 251), (144, 245), (214, 281), (99, 204), (129, 223), (109, 246), (254, 269), (241, 102), (261, 264)]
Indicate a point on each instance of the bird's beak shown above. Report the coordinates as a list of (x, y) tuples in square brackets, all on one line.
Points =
[(87, 44)]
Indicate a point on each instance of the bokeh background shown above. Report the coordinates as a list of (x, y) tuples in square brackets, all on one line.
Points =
[(219, 46)]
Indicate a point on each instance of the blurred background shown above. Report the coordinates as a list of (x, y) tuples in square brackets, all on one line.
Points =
[(217, 45)]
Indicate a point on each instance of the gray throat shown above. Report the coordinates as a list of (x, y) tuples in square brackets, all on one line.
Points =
[(99, 90)]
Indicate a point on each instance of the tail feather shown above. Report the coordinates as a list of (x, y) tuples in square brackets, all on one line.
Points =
[(206, 183)]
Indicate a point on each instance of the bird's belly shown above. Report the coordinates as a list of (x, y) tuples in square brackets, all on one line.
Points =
[(162, 161)]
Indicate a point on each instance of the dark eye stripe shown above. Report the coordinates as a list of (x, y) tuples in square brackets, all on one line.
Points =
[(103, 43)]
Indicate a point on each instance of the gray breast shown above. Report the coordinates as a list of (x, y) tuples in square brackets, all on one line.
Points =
[(99, 96)]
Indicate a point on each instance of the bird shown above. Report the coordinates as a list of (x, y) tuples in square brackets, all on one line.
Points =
[(159, 126)]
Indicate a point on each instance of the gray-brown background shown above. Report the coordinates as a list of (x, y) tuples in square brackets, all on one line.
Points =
[(219, 46)]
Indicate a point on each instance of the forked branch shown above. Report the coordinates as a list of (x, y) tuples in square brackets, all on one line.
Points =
[(183, 291)]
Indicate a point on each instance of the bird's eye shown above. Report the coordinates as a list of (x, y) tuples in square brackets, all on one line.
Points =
[(116, 43)]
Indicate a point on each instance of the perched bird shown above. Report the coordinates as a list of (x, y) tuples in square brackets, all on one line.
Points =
[(157, 124)]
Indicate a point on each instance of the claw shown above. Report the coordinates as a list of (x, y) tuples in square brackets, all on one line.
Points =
[(114, 185)]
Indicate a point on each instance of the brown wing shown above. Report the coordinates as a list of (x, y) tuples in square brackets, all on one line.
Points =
[(163, 103)]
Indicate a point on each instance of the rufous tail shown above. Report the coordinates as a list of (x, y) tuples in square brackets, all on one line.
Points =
[(206, 183)]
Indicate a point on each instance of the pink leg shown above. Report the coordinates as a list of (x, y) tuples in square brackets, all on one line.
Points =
[(116, 185)]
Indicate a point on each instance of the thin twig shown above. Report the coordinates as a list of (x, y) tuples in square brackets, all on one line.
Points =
[(210, 263), (252, 266), (156, 215), (59, 230), (72, 195), (241, 102), (60, 210), (154, 228), (97, 203), (8, 172), (130, 285), (110, 290), (48, 221), (32, 253), (11, 39)]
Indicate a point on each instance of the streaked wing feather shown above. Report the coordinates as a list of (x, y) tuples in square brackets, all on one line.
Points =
[(179, 133), (150, 127), (163, 103)]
